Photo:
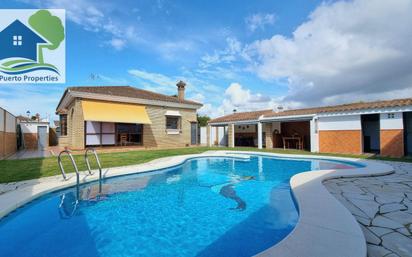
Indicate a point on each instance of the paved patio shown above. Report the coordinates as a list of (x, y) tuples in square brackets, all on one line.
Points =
[(27, 154), (383, 207)]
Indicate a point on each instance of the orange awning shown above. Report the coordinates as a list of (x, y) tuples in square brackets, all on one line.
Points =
[(114, 112)]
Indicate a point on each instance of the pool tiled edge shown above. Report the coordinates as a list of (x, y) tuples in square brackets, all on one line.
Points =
[(325, 227)]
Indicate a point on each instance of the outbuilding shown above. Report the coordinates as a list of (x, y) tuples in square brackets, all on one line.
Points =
[(380, 127)]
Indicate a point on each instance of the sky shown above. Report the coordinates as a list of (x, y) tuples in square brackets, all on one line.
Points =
[(243, 55)]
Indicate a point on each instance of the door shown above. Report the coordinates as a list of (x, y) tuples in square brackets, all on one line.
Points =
[(407, 119), (193, 135), (42, 137)]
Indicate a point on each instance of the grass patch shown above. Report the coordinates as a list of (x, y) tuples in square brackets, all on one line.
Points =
[(18, 170)]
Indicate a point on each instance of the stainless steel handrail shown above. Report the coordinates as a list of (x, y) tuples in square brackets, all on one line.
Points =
[(86, 158), (59, 160)]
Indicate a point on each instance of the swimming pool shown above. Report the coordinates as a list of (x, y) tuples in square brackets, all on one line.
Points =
[(204, 207)]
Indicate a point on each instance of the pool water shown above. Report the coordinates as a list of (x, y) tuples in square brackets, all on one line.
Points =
[(204, 207)]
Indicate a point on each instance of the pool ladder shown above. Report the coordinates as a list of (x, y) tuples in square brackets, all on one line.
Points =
[(86, 158)]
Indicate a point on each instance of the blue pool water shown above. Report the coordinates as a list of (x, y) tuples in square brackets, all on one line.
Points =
[(204, 207)]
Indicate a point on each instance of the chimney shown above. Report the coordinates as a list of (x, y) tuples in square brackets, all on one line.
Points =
[(277, 109), (181, 90)]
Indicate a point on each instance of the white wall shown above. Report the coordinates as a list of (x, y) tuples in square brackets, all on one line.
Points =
[(314, 136), (348, 122), (220, 132), (10, 123), (222, 136), (276, 125), (203, 135), (212, 135), (31, 127), (391, 120)]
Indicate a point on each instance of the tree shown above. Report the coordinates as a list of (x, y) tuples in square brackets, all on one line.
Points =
[(202, 120), (48, 26)]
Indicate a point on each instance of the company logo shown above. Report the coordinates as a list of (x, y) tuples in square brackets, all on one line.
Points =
[(32, 46)]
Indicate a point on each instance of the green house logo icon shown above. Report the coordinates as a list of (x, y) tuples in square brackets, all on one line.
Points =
[(25, 40)]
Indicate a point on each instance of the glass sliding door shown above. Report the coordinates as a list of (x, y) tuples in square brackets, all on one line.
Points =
[(93, 130), (108, 133), (129, 134), (100, 133)]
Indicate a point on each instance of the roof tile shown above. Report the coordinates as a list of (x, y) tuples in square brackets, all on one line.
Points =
[(240, 116), (128, 91)]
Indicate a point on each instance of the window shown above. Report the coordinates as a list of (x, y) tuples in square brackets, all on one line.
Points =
[(63, 124), (17, 40), (391, 115), (172, 122)]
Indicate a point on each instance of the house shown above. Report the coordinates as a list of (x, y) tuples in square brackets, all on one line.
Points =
[(382, 127), (19, 41), (126, 116), (35, 132), (8, 134)]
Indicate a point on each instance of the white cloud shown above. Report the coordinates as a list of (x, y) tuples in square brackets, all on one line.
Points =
[(117, 43), (228, 55), (208, 110), (171, 50), (346, 50), (259, 21), (93, 16), (197, 98), (156, 78), (242, 99), (112, 80)]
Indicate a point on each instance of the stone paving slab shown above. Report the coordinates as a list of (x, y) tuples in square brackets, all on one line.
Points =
[(383, 207)]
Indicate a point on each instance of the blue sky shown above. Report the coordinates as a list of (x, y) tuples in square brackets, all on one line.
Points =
[(233, 54)]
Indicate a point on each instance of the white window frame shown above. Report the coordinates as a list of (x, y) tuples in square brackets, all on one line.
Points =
[(177, 131), (17, 40)]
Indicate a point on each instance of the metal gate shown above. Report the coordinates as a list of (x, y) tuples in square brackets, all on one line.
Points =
[(193, 131), (42, 137)]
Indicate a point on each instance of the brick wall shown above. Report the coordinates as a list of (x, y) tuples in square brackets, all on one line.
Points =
[(340, 141), (155, 135), (230, 135), (63, 141), (30, 140), (75, 125), (392, 142), (10, 143), (8, 137), (2, 138), (268, 135)]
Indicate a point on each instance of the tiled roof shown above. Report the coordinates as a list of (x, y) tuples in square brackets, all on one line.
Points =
[(128, 91), (239, 116), (315, 110)]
